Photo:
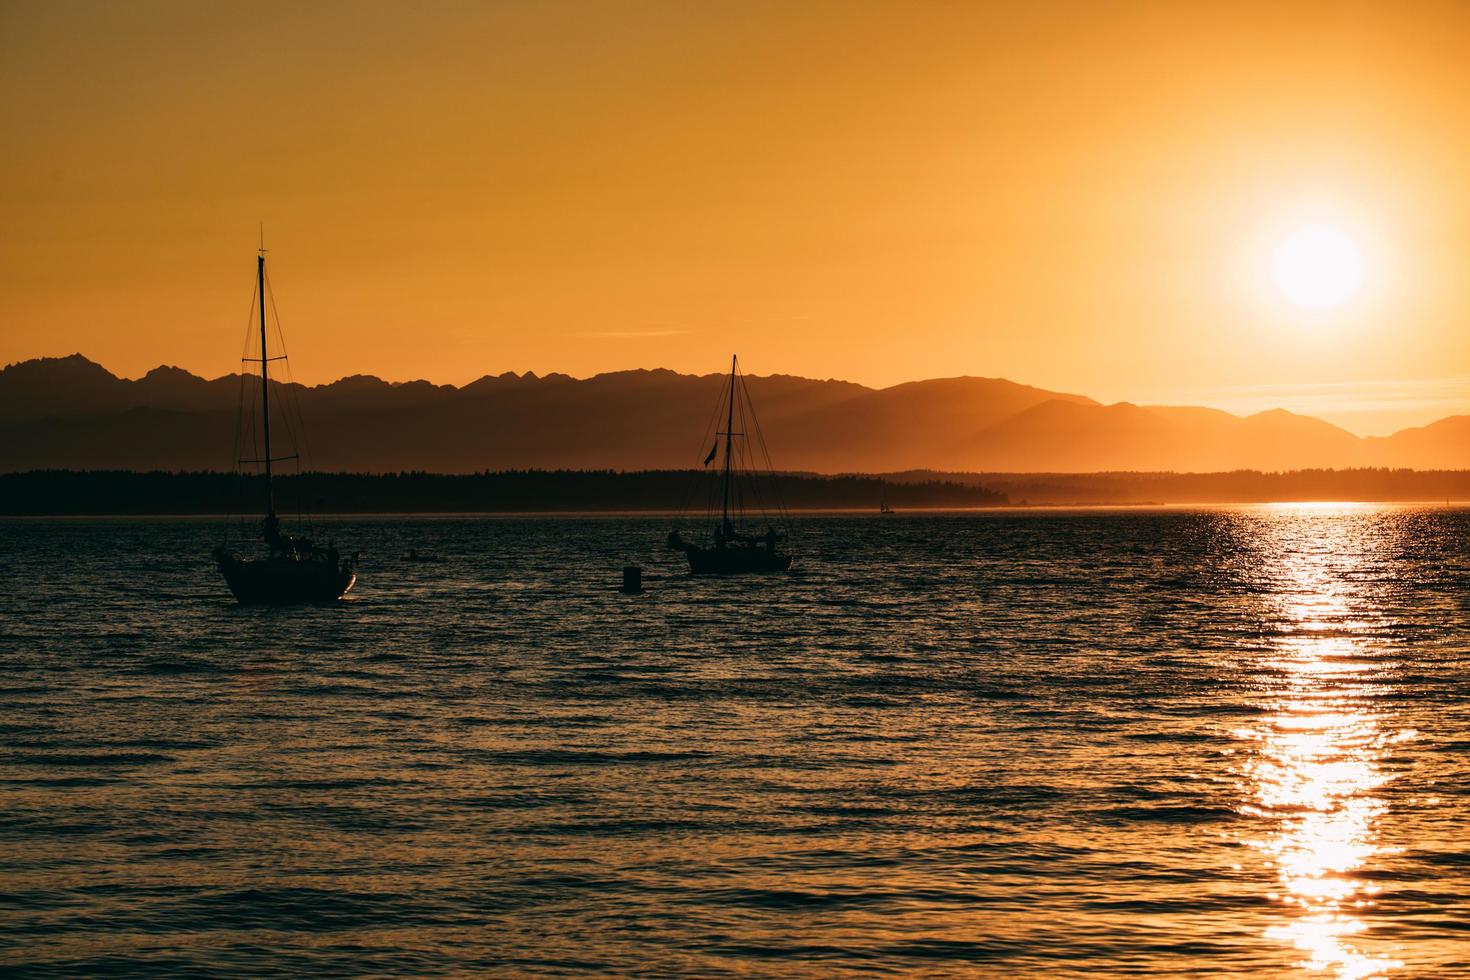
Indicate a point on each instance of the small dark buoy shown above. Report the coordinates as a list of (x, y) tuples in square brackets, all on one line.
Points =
[(632, 579)]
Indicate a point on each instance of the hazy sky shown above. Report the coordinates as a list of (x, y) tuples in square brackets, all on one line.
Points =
[(1079, 196)]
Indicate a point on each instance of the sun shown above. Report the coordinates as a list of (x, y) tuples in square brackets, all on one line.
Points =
[(1318, 267)]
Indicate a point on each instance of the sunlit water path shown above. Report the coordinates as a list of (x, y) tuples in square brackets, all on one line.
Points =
[(1171, 743), (1317, 759)]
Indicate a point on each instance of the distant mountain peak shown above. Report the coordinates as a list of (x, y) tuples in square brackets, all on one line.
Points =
[(70, 412), (358, 382), (170, 377), (509, 379), (72, 365)]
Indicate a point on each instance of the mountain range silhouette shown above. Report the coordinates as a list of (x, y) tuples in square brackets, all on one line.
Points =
[(72, 413)]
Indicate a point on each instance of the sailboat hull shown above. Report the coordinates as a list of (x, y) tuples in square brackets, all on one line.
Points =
[(284, 582), (735, 561)]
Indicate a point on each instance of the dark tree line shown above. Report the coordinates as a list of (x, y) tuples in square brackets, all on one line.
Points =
[(70, 492), (1237, 487)]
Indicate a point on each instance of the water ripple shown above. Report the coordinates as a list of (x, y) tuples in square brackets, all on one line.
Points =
[(1060, 744)]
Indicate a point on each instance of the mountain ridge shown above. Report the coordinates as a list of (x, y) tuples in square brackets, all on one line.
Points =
[(71, 412)]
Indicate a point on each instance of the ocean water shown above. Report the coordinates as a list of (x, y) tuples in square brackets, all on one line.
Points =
[(1227, 742)]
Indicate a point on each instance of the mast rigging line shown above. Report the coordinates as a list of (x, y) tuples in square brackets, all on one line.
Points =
[(735, 488), (729, 445), (252, 426), (711, 430), (265, 392), (240, 416), (765, 457), (292, 416)]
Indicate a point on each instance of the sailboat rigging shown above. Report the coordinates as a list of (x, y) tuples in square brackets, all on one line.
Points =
[(294, 569), (733, 550)]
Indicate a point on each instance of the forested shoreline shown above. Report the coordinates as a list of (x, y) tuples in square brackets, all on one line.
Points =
[(102, 492), (70, 492)]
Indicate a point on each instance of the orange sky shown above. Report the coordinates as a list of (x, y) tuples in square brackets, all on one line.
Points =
[(1078, 196)]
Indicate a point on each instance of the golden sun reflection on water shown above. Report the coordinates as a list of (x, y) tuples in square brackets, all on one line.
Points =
[(1316, 771)]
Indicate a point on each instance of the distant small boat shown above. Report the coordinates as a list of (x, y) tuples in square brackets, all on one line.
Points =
[(883, 507), (294, 569), (731, 550)]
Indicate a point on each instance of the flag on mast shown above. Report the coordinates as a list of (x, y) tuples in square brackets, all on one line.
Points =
[(712, 450)]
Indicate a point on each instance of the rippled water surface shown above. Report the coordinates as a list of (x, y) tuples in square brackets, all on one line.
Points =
[(1175, 743)]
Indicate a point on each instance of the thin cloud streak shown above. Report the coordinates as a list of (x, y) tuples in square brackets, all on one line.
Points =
[(632, 334)]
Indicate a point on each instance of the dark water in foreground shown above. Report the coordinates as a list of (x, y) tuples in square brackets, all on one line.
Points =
[(1182, 743)]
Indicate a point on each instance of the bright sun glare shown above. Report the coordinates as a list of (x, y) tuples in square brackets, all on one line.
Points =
[(1318, 267)]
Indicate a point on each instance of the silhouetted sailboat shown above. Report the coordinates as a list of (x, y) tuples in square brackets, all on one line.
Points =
[(883, 507), (731, 550), (293, 569)]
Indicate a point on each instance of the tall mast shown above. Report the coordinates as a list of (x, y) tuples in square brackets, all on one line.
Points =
[(265, 390), (729, 438)]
